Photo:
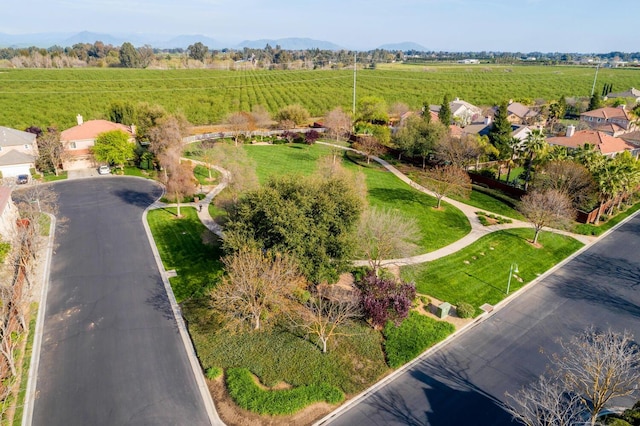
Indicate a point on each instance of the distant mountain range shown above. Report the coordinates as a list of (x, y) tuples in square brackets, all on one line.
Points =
[(46, 40)]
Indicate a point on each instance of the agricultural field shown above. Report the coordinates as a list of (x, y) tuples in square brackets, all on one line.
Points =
[(46, 97)]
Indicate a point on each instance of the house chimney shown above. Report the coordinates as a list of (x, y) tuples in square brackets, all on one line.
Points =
[(571, 130), (622, 107), (80, 120), (456, 100), (487, 120)]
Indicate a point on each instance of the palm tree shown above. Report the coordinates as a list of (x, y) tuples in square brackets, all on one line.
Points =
[(515, 147), (535, 145)]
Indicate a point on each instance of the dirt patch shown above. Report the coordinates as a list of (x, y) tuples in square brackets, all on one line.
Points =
[(232, 415), (431, 310)]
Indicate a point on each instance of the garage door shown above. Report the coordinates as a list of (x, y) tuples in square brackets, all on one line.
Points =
[(12, 171)]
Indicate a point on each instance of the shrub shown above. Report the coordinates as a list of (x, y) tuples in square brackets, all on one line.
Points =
[(248, 395), (425, 300), (213, 373), (465, 310), (4, 250), (385, 299), (417, 333)]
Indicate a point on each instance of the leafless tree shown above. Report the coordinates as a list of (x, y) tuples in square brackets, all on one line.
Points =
[(599, 366), (398, 109), (146, 55), (369, 146), (165, 141), (545, 403), (181, 182), (386, 234), (330, 166), (258, 286), (208, 154), (593, 368), (460, 152), (51, 152), (240, 123), (548, 207), (338, 123), (261, 117), (325, 318), (571, 178), (242, 175), (445, 181)]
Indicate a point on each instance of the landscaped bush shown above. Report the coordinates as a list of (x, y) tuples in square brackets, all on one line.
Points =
[(4, 249), (465, 310), (213, 373), (412, 337), (248, 395)]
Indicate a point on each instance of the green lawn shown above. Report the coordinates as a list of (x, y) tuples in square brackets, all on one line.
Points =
[(202, 175), (491, 201), (479, 273), (50, 177), (438, 227), (188, 247), (590, 229)]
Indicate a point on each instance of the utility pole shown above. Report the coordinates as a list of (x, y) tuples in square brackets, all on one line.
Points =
[(355, 58), (593, 88)]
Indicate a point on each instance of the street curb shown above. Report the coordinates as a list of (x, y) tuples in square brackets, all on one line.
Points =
[(214, 419), (32, 381), (480, 319)]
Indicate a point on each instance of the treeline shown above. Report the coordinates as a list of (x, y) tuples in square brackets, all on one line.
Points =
[(198, 55)]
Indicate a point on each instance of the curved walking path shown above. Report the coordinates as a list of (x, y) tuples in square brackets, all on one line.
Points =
[(478, 230)]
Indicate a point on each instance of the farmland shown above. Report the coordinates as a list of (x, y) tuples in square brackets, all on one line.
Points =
[(54, 97)]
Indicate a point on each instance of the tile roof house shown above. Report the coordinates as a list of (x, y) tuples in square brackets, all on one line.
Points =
[(609, 115), (632, 93), (517, 130), (519, 114), (79, 139), (604, 143), (8, 214), (18, 152), (462, 112)]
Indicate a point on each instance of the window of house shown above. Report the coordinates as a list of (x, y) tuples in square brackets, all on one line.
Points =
[(72, 145)]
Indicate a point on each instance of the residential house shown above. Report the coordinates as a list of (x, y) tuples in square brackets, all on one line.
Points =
[(632, 93), (79, 139), (518, 131), (463, 112), (518, 113), (8, 214), (603, 143), (609, 120), (18, 152)]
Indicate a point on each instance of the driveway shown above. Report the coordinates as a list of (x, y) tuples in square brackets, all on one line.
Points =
[(464, 383), (111, 351)]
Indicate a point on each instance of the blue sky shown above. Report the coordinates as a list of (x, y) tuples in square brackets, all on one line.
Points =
[(454, 25)]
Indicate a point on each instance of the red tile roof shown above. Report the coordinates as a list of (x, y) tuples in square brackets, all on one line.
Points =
[(91, 129), (604, 143)]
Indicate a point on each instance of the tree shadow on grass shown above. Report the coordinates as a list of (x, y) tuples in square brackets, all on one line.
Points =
[(394, 195)]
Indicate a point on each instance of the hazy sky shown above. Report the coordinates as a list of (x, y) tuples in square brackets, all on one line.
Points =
[(454, 25)]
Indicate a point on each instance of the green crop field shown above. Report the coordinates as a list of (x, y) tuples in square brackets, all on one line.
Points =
[(46, 97)]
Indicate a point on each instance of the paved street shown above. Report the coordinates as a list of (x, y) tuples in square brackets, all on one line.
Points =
[(465, 382), (111, 352)]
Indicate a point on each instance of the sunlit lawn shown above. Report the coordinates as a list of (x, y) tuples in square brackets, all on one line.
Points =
[(188, 247), (479, 273), (438, 227)]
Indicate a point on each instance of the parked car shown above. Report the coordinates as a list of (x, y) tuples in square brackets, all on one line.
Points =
[(22, 179), (104, 170)]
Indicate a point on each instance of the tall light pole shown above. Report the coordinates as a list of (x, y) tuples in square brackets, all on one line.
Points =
[(595, 77), (512, 270), (355, 59)]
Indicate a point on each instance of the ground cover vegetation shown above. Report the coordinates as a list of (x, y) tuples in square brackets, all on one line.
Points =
[(44, 97)]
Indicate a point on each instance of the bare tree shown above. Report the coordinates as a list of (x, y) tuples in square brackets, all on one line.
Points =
[(165, 141), (445, 181), (386, 234), (261, 117), (548, 207), (242, 173), (460, 152), (545, 403), (398, 109), (337, 123), (180, 182), (571, 178), (258, 287), (369, 146), (51, 152), (593, 368), (240, 123), (599, 366), (325, 318)]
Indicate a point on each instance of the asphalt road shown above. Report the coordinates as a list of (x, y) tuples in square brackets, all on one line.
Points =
[(465, 382), (111, 351)]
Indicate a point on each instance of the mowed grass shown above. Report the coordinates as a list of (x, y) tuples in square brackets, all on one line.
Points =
[(438, 228), (483, 199), (188, 247), (479, 273)]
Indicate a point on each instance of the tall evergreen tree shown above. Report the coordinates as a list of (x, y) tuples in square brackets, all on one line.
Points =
[(445, 112), (500, 133), (595, 102), (129, 57)]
